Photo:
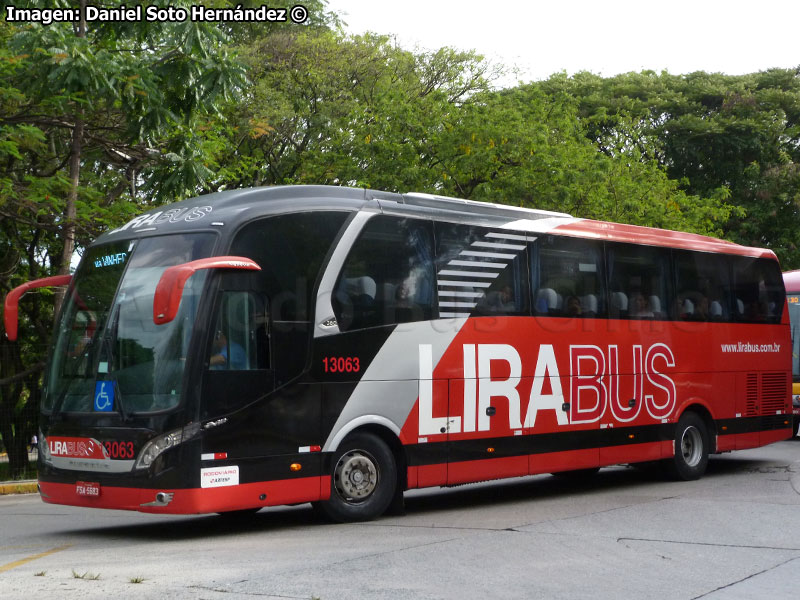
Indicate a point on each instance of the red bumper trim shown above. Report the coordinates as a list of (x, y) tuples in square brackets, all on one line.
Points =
[(192, 500)]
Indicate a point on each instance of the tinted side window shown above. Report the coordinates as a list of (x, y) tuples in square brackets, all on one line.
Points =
[(567, 277), (793, 301), (639, 282), (241, 333), (388, 276), (290, 250), (757, 289), (480, 271), (704, 287)]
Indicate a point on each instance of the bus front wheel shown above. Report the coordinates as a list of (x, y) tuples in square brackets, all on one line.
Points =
[(363, 479), (691, 448)]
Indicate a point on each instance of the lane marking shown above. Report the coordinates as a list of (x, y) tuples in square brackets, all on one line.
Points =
[(27, 559)]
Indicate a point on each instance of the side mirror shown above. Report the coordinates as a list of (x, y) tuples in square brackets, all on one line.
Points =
[(11, 305), (169, 290)]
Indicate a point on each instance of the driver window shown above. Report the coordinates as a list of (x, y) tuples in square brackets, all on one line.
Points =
[(240, 339)]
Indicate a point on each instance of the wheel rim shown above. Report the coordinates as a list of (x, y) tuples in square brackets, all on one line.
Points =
[(356, 476), (692, 446)]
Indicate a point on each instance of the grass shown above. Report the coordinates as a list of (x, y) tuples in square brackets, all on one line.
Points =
[(40, 574), (136, 580), (30, 472), (88, 576)]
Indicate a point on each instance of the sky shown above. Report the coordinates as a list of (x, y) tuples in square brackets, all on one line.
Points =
[(606, 37)]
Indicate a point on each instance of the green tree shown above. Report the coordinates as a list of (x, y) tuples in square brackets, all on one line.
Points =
[(527, 148), (89, 115), (360, 111), (328, 109), (717, 135)]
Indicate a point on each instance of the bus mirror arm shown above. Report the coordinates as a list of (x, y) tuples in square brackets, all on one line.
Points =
[(169, 290), (11, 305)]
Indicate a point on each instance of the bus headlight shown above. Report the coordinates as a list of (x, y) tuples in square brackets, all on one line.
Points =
[(158, 445)]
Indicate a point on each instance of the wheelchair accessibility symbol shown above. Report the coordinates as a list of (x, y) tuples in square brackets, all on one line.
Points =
[(104, 396)]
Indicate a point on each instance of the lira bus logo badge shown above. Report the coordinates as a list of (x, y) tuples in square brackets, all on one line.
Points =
[(73, 447)]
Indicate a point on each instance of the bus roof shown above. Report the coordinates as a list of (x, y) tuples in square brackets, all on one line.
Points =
[(653, 236), (791, 279), (228, 210)]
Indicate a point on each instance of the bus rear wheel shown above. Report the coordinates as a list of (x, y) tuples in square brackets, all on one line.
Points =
[(363, 480), (691, 448)]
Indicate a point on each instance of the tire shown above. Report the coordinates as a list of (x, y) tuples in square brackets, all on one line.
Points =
[(363, 480), (691, 449)]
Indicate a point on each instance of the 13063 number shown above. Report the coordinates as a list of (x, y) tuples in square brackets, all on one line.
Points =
[(341, 364)]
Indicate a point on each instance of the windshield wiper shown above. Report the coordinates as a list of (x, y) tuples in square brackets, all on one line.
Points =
[(109, 341), (56, 413)]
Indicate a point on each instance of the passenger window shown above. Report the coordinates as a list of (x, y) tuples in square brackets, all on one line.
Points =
[(758, 290), (388, 275), (480, 271), (567, 277), (639, 282), (241, 333), (704, 288)]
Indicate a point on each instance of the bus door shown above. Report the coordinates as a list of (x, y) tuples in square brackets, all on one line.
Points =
[(258, 425), (262, 326), (238, 373)]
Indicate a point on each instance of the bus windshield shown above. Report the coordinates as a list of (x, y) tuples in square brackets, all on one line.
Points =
[(109, 355), (793, 301)]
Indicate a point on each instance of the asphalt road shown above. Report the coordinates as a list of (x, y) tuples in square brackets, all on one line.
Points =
[(626, 533)]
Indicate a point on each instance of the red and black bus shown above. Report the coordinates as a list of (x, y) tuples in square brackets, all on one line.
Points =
[(339, 346)]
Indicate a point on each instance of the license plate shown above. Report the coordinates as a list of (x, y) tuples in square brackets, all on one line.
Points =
[(87, 488)]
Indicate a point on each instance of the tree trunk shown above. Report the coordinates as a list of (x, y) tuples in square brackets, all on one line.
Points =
[(17, 450), (72, 198), (13, 437), (76, 148)]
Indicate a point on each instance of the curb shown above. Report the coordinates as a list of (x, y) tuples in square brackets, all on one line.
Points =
[(18, 487)]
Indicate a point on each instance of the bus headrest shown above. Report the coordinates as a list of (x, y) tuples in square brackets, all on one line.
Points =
[(360, 286)]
